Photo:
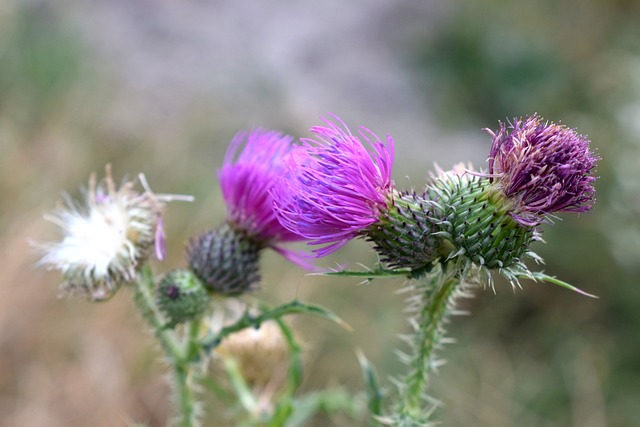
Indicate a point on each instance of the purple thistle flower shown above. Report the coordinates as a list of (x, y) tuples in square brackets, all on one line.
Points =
[(247, 179), (337, 185), (543, 167)]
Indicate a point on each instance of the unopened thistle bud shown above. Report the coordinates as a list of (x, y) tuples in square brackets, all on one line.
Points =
[(225, 260), (536, 169), (106, 238), (181, 296)]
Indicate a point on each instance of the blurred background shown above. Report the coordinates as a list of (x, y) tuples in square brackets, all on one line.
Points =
[(160, 87)]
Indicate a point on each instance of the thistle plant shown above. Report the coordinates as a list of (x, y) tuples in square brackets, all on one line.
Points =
[(196, 312), (465, 227), (462, 229)]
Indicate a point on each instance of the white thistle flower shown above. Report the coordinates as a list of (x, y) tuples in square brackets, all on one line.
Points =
[(107, 237)]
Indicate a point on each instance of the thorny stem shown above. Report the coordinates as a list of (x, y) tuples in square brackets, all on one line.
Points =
[(185, 395), (435, 304), (144, 293), (178, 353)]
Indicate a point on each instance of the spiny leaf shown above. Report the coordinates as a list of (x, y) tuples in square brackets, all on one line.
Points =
[(555, 281), (372, 388), (379, 272)]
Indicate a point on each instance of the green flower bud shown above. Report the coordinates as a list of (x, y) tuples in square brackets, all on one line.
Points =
[(225, 260), (181, 296), (475, 220)]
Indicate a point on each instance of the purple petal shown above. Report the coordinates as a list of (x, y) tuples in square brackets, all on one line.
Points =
[(543, 167), (335, 185), (246, 178)]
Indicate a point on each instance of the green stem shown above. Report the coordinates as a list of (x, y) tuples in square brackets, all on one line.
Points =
[(434, 306), (212, 340), (176, 351), (185, 396), (248, 401), (145, 299)]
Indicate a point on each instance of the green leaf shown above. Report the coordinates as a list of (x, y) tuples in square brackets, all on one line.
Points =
[(550, 279), (378, 273), (295, 350), (372, 388)]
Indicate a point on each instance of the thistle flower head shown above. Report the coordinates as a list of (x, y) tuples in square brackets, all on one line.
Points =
[(106, 238), (543, 167), (226, 259), (336, 185), (246, 178)]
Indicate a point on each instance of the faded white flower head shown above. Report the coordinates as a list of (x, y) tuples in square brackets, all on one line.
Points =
[(106, 237)]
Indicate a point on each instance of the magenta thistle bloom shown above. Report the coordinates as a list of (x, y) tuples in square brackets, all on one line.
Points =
[(543, 167), (226, 259), (246, 180), (337, 185)]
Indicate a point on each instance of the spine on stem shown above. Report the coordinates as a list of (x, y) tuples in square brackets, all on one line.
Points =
[(431, 304)]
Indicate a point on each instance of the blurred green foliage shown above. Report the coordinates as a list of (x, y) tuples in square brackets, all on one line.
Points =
[(499, 59), (40, 61)]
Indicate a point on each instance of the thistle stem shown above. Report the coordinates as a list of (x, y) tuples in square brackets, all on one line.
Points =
[(433, 306), (178, 352), (185, 396), (144, 297)]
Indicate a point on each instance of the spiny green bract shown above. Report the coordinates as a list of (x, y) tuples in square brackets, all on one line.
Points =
[(226, 260), (404, 235), (475, 219)]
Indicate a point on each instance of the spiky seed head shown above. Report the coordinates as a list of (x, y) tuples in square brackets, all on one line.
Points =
[(181, 296), (226, 260)]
